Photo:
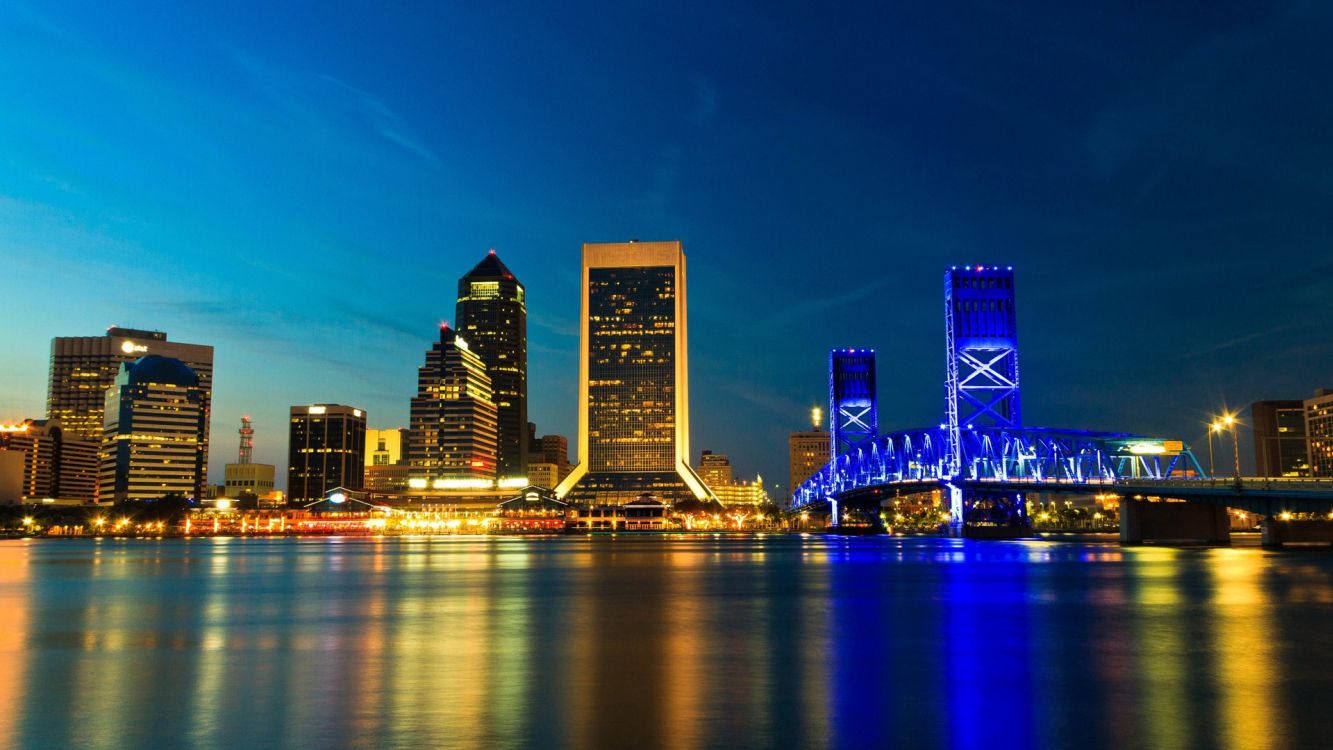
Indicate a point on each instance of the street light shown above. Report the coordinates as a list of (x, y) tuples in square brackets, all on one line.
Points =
[(1231, 423), (1214, 427)]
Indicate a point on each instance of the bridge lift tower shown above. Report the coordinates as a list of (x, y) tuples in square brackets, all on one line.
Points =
[(981, 387), (853, 408)]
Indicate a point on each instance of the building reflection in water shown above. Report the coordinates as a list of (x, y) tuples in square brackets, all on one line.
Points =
[(659, 641)]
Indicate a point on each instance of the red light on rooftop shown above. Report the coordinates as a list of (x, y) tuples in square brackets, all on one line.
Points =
[(492, 251)]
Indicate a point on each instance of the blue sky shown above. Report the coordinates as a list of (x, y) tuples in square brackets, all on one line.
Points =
[(301, 184)]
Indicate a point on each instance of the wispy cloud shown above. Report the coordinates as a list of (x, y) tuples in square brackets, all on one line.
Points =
[(325, 106)]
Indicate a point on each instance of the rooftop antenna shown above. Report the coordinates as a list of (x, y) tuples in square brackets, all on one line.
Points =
[(247, 439)]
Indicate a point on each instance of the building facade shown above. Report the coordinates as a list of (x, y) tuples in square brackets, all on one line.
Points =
[(549, 449), (742, 492), (715, 470), (1319, 430), (544, 475), (50, 463), (83, 368), (385, 447), (1280, 445), (155, 436), (633, 378), (326, 449), (453, 429), (808, 452), (248, 479), (492, 316)]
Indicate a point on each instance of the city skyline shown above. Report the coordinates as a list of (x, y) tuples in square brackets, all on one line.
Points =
[(1137, 307)]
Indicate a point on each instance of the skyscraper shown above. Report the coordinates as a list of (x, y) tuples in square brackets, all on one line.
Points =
[(326, 449), (84, 367), (634, 419), (492, 317), (1319, 432), (1280, 445), (453, 428), (156, 432)]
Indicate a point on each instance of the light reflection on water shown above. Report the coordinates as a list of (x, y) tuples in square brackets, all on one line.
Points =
[(652, 641)]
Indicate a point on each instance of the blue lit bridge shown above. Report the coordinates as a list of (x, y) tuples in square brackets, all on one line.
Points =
[(985, 463)]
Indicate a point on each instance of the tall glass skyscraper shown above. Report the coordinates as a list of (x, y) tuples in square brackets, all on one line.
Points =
[(326, 449), (155, 432), (492, 315), (634, 419)]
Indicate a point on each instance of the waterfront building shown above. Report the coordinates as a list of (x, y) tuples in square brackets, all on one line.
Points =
[(633, 378), (326, 449), (40, 460), (385, 447), (155, 432), (492, 317), (1319, 430), (741, 492), (853, 406), (1280, 445), (453, 428), (83, 368)]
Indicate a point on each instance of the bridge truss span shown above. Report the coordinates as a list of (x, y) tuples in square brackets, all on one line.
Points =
[(993, 456)]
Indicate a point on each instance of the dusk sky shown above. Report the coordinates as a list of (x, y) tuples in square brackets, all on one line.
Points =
[(301, 185)]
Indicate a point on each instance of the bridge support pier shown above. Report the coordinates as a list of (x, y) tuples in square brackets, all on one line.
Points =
[(1276, 533), (1193, 523), (989, 515)]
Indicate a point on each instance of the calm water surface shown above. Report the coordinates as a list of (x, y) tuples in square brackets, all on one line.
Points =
[(661, 641)]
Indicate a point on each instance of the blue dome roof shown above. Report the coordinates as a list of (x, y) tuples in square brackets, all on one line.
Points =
[(154, 368)]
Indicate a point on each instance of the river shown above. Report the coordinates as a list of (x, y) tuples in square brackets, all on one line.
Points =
[(675, 641)]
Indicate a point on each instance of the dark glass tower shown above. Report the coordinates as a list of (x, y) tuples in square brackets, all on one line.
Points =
[(327, 449), (492, 316)]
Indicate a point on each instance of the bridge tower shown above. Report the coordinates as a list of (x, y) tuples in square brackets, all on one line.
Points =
[(852, 405), (981, 387)]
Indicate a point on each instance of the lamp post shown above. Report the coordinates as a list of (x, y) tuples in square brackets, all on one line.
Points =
[(1214, 427), (1232, 424)]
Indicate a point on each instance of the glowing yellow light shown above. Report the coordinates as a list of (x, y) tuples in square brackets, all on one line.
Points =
[(224, 503), (1285, 515)]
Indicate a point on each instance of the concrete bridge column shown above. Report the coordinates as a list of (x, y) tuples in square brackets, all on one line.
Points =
[(1276, 533), (1199, 523)]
